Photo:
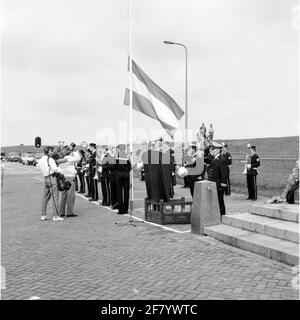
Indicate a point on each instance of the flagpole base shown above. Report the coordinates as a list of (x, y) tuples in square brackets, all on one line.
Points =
[(130, 221)]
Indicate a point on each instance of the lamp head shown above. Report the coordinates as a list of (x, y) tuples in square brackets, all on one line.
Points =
[(168, 42)]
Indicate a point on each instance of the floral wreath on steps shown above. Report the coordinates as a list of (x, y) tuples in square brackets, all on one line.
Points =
[(293, 183)]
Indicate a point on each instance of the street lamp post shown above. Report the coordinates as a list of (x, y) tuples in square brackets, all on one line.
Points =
[(186, 87)]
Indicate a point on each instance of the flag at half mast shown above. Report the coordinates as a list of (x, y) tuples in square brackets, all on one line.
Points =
[(150, 99)]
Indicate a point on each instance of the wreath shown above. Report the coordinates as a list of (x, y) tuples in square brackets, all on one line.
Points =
[(292, 185)]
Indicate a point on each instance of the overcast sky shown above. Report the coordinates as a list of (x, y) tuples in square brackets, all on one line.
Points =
[(64, 65)]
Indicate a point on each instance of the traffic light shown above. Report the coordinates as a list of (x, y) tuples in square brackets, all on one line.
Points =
[(38, 142)]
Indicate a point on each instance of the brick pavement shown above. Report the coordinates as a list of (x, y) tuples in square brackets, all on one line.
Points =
[(90, 257)]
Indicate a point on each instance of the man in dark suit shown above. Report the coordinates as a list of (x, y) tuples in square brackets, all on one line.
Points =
[(112, 166), (80, 167), (123, 178), (87, 173), (105, 186), (252, 171), (228, 160), (217, 172), (92, 173)]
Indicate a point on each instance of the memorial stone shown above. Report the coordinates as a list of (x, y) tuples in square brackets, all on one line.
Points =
[(205, 209)]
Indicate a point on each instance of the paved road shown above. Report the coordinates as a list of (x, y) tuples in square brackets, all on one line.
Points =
[(90, 257)]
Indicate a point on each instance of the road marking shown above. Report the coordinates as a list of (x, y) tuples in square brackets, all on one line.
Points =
[(128, 215), (83, 197), (158, 225)]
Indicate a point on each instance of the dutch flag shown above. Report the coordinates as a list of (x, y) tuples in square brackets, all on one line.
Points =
[(150, 99)]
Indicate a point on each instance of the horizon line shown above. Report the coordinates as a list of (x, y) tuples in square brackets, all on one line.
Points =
[(228, 139)]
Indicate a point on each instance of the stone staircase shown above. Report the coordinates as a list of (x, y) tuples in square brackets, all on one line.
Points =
[(269, 230)]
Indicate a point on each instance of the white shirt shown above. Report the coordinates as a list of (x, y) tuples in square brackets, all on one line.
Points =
[(68, 168), (46, 168)]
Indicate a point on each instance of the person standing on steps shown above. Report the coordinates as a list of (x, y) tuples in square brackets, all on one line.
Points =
[(252, 172)]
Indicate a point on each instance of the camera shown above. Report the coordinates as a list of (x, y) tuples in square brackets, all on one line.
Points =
[(60, 152), (62, 184)]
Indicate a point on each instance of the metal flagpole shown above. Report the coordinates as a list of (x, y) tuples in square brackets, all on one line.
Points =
[(130, 101), (131, 221)]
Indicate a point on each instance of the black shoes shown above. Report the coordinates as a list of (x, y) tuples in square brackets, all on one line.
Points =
[(72, 215), (93, 199), (105, 204), (122, 212)]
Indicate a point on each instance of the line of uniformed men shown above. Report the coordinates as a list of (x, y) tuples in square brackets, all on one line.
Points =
[(112, 169)]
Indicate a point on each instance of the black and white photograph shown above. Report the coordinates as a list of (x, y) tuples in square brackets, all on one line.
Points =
[(149, 153)]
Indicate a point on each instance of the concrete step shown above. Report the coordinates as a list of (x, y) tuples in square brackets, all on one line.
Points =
[(286, 230), (288, 212), (274, 248)]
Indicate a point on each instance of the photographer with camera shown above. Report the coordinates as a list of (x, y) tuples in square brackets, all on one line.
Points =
[(67, 166), (49, 169)]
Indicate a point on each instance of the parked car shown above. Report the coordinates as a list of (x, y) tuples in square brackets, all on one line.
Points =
[(28, 158), (38, 157), (13, 157)]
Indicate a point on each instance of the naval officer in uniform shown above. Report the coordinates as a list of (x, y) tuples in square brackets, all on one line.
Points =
[(228, 160), (252, 171), (217, 172), (123, 162)]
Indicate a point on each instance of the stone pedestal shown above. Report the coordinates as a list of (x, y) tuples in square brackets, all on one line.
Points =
[(205, 210)]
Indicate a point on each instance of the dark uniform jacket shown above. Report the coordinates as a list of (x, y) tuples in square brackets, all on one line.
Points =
[(80, 166), (105, 166), (112, 164), (217, 170), (92, 164), (227, 157), (123, 166), (87, 163), (255, 163)]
